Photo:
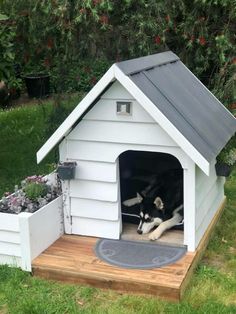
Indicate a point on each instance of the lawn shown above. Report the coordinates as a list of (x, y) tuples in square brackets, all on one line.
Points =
[(211, 290), (23, 130)]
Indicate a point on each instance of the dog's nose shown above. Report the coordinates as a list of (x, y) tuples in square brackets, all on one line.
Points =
[(139, 231)]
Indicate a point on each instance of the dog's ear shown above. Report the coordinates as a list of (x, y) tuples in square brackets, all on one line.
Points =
[(139, 197), (158, 203)]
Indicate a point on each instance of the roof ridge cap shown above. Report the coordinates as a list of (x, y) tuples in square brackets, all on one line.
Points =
[(132, 66), (153, 66)]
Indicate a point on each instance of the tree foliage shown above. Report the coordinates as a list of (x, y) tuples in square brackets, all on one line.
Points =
[(56, 34)]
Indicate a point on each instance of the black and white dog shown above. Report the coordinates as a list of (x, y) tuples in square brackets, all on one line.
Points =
[(161, 203)]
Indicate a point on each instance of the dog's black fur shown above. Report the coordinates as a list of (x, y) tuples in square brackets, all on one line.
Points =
[(161, 201), (169, 188)]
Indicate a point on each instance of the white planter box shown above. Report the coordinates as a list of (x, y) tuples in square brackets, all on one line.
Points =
[(24, 236)]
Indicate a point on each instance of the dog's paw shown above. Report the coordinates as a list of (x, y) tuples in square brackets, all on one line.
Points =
[(126, 203), (153, 236), (130, 202)]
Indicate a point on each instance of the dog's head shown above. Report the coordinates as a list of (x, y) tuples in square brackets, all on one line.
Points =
[(151, 213)]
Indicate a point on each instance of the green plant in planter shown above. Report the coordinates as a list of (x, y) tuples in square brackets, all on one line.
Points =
[(32, 68), (226, 159), (34, 190)]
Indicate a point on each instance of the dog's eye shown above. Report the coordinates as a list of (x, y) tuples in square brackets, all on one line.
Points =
[(149, 220)]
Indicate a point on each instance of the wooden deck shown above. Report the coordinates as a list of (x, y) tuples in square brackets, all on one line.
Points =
[(72, 259)]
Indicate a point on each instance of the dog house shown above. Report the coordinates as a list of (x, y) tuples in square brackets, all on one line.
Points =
[(151, 109)]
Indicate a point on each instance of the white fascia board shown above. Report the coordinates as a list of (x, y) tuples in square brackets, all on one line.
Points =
[(161, 119), (66, 126)]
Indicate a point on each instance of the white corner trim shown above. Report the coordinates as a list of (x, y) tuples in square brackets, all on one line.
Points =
[(161, 119), (190, 207), (75, 114), (25, 240)]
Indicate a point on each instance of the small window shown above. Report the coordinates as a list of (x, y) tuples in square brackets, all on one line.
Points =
[(123, 108)]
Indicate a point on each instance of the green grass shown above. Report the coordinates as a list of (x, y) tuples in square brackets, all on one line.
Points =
[(22, 133), (211, 290)]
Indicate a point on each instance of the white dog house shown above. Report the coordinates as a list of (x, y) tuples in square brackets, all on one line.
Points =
[(150, 104)]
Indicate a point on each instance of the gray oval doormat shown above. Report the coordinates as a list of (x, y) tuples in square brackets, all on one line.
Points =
[(139, 255)]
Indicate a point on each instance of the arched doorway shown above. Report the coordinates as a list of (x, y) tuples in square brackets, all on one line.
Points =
[(135, 170)]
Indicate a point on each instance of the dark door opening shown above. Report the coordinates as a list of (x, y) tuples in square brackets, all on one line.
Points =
[(136, 167)]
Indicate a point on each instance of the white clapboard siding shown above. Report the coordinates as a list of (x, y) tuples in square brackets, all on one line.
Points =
[(63, 150), (108, 152), (121, 132), (201, 193), (202, 180), (9, 222), (8, 248), (94, 209), (96, 227), (14, 261), (96, 171), (201, 177), (103, 191), (105, 109), (9, 236), (205, 205), (117, 91), (215, 204)]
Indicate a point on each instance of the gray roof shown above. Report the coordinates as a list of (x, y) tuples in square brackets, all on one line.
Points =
[(184, 100)]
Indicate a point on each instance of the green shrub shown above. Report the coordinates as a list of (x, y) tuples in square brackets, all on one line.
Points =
[(78, 75), (7, 53), (59, 35)]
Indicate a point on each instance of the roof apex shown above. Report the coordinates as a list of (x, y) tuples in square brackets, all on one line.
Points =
[(136, 65)]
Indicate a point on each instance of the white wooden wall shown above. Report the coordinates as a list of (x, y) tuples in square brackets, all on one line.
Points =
[(92, 200), (209, 196), (23, 237), (10, 242), (39, 230)]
